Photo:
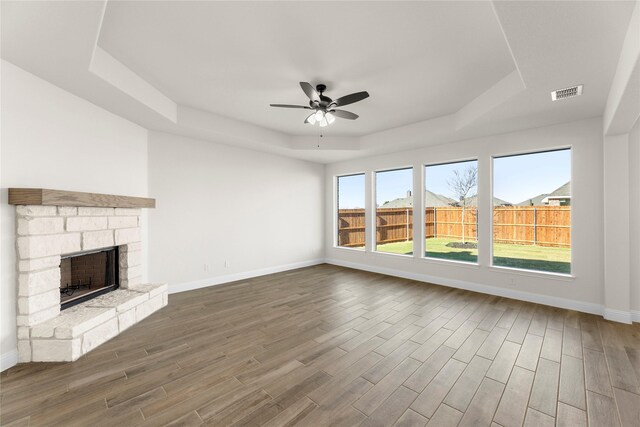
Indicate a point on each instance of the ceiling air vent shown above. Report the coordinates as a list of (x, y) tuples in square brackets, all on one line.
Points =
[(568, 92)]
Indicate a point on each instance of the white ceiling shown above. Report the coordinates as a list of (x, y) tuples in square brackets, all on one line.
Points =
[(436, 71), (417, 60)]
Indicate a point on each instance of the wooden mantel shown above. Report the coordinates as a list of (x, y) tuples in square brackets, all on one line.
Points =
[(46, 197)]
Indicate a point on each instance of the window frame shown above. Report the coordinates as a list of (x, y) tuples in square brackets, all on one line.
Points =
[(424, 210), (523, 271), (374, 209), (336, 206)]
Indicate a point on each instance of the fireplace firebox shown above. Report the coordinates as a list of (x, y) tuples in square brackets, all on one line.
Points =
[(86, 275)]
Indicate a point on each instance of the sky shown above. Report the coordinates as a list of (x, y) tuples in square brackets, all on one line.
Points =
[(436, 178), (516, 179)]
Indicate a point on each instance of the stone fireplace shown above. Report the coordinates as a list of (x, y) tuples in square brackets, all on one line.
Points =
[(79, 277)]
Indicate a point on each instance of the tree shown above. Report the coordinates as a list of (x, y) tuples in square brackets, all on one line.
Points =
[(461, 184)]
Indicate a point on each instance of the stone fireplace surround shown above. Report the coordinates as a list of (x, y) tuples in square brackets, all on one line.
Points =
[(44, 233)]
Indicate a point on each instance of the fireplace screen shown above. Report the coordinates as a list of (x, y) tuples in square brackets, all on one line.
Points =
[(87, 275)]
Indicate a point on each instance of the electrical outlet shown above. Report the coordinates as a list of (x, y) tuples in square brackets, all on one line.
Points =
[(206, 267), (227, 264)]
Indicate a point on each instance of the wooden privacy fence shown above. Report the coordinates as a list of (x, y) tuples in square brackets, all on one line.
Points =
[(522, 225), (533, 225)]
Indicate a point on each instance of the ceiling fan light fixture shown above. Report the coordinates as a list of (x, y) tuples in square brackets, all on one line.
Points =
[(322, 106), (311, 119), (330, 118)]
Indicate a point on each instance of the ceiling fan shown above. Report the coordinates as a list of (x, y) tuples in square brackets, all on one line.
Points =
[(323, 107)]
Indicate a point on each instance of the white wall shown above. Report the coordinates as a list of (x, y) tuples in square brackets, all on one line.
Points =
[(53, 139), (217, 203), (583, 291), (634, 214)]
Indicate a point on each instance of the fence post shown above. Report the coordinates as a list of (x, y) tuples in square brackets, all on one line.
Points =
[(435, 223), (535, 228), (407, 224), (476, 224)]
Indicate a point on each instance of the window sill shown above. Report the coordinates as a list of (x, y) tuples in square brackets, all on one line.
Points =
[(391, 254), (531, 273), (346, 248), (452, 262)]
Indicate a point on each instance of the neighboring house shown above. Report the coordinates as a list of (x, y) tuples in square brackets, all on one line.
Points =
[(473, 201), (534, 201), (559, 197), (437, 200), (431, 200)]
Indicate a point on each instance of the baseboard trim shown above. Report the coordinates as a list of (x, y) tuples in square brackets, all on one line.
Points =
[(220, 280), (569, 304), (635, 316), (618, 315), (8, 359)]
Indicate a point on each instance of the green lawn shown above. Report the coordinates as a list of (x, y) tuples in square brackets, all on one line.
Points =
[(541, 258)]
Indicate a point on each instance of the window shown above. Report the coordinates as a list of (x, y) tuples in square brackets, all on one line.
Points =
[(451, 219), (350, 203), (532, 211), (394, 211)]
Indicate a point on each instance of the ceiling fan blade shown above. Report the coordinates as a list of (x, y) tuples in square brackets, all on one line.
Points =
[(344, 114), (290, 106), (310, 91), (350, 99)]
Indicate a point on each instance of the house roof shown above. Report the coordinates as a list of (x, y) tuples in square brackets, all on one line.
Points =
[(534, 201), (562, 191), (437, 200)]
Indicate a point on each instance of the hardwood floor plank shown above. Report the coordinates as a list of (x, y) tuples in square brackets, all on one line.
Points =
[(513, 405), (552, 345), (530, 352), (293, 414), (429, 369), (354, 355), (568, 416), (341, 382), (411, 418), (275, 405), (392, 408), (461, 334), (621, 372), (425, 351), (501, 367), (545, 387), (597, 373), (520, 327), (445, 416), (572, 342), (467, 350), (368, 403), (538, 419), (492, 343), (628, 407), (465, 388), (382, 369), (601, 410), (429, 400), (484, 404), (572, 389)]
